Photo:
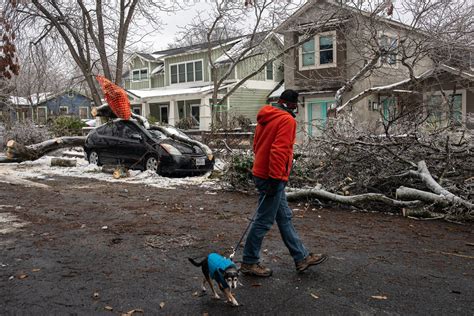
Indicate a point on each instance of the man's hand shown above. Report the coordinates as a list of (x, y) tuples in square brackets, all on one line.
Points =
[(272, 186)]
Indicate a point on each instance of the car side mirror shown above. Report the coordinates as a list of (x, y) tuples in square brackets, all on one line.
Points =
[(136, 136)]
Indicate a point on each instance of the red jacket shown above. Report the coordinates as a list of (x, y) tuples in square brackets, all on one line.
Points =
[(273, 143)]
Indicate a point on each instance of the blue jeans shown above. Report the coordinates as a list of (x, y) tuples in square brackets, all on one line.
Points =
[(273, 208)]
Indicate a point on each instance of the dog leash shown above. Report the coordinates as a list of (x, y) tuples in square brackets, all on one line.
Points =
[(246, 229)]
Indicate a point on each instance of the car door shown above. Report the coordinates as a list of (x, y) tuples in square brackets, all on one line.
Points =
[(105, 143), (131, 143)]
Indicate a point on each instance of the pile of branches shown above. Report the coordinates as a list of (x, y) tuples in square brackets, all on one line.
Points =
[(419, 169)]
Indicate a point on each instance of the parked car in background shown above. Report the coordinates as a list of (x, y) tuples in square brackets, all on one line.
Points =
[(127, 142)]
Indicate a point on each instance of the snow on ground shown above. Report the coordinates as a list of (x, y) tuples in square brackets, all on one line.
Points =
[(9, 222), (20, 173)]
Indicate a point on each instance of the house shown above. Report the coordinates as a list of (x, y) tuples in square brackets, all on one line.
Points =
[(337, 42), (176, 84), (42, 106)]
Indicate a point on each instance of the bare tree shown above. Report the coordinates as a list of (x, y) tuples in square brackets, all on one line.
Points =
[(95, 33)]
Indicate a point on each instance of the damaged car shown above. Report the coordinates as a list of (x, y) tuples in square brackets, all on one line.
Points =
[(129, 143)]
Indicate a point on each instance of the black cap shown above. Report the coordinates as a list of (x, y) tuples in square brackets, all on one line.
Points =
[(290, 96)]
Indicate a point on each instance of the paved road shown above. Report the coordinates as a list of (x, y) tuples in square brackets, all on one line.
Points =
[(129, 244)]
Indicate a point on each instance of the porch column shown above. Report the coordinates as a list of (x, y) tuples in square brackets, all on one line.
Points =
[(205, 115), (172, 112), (145, 109)]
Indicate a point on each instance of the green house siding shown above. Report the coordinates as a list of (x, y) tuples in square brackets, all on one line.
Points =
[(158, 81), (137, 85), (247, 102), (222, 70), (248, 66), (138, 63)]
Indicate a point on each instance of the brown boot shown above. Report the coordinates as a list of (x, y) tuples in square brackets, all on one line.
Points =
[(310, 260), (255, 269)]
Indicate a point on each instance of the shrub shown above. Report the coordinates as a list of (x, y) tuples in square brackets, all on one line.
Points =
[(66, 126), (26, 133), (151, 119), (239, 173), (244, 122), (185, 123)]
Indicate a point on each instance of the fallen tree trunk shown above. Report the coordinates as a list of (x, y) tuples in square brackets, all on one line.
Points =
[(103, 111), (63, 162), (354, 200), (32, 152), (183, 139)]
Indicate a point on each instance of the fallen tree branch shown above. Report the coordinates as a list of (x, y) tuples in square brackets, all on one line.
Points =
[(21, 152), (354, 200), (184, 139), (424, 174)]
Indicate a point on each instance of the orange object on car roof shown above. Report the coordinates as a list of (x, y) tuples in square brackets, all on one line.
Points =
[(116, 97)]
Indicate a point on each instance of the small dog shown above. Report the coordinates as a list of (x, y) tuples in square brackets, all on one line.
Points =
[(223, 271)]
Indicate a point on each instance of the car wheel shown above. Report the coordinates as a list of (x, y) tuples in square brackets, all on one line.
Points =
[(152, 163), (94, 158)]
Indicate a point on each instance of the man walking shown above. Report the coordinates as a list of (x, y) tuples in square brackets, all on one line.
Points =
[(273, 148)]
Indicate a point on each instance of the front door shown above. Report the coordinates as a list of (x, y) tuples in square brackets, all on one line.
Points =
[(317, 117), (389, 108)]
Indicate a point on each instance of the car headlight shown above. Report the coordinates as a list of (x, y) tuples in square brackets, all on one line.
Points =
[(170, 149)]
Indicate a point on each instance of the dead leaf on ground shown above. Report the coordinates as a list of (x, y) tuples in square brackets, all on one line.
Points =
[(162, 304), (136, 310), (22, 276), (195, 293), (379, 297), (109, 308), (314, 296), (35, 270)]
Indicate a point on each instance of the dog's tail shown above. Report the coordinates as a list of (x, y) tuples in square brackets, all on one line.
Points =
[(194, 262)]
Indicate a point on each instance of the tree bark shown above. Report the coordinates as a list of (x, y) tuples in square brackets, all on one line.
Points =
[(35, 151), (61, 162), (409, 194)]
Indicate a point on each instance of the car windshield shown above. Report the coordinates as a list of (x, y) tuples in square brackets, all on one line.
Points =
[(157, 134)]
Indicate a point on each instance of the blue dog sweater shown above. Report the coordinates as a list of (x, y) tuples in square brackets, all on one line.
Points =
[(217, 263)]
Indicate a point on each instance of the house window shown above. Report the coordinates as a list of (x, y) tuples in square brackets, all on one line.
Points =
[(140, 74), (308, 53), (83, 112), (389, 50), (137, 111), (186, 72), (319, 51), (437, 107), (63, 110), (326, 54), (269, 73), (195, 114), (42, 114)]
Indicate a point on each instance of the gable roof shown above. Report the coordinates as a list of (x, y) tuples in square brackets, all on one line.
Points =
[(339, 5), (38, 98), (159, 56)]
